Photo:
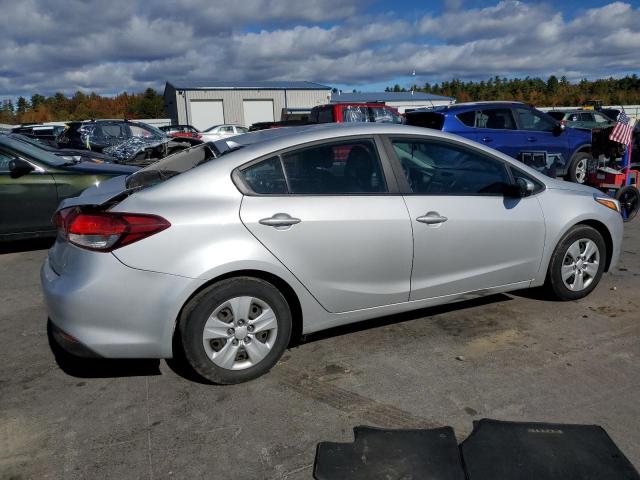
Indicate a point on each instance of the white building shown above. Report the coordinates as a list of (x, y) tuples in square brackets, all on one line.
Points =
[(204, 104)]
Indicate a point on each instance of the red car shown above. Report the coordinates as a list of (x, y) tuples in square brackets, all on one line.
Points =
[(354, 112), (181, 131)]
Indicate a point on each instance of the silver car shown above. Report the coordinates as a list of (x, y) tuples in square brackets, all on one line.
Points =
[(218, 132), (221, 252)]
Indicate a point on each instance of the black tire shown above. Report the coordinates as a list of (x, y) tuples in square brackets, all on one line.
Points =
[(197, 312), (555, 284), (574, 174), (629, 198)]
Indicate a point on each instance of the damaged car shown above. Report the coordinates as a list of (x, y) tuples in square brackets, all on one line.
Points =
[(126, 141)]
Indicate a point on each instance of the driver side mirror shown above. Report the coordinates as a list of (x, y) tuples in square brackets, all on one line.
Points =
[(559, 128), (524, 187), (19, 167)]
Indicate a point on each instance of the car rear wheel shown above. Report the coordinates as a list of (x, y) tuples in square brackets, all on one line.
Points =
[(235, 330), (578, 167), (577, 263)]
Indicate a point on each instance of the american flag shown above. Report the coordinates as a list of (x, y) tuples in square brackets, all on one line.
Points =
[(621, 133)]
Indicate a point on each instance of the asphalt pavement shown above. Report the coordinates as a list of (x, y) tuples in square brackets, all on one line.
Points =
[(509, 357)]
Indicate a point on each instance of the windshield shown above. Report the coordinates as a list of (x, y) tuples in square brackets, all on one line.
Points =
[(171, 166), (556, 114), (32, 149)]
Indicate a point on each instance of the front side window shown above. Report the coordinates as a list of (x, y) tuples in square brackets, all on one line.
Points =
[(601, 118), (586, 117), (226, 129), (496, 118), (335, 168), (533, 120), (241, 130), (436, 168), (107, 131)]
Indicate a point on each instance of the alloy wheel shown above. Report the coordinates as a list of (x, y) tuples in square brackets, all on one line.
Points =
[(581, 170), (580, 264)]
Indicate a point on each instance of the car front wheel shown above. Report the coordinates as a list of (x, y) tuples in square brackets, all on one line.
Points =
[(578, 168), (235, 330), (577, 263)]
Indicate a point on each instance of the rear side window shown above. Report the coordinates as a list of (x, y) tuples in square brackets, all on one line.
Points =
[(436, 168), (468, 118), (266, 177), (349, 167), (496, 119), (335, 168)]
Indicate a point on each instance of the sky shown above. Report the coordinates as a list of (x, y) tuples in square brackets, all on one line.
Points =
[(113, 46)]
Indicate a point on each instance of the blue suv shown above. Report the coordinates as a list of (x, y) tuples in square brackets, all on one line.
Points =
[(517, 130)]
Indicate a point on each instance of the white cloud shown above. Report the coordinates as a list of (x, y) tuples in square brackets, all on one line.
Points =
[(52, 45)]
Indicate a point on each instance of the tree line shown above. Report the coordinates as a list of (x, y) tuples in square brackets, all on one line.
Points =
[(81, 106), (536, 91), (149, 104)]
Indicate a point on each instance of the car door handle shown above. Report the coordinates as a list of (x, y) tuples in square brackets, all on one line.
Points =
[(280, 220), (432, 218), (487, 139), (532, 139)]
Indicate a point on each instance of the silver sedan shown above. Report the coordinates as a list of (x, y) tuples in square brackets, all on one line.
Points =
[(221, 252)]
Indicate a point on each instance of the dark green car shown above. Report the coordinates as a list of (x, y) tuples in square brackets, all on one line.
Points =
[(33, 181), (587, 119)]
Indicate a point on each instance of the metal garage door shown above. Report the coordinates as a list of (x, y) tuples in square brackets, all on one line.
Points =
[(257, 111), (206, 113)]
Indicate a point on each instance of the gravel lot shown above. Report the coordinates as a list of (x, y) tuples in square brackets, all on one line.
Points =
[(510, 357)]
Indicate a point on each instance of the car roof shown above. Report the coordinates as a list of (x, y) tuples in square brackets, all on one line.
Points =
[(279, 138), (461, 107)]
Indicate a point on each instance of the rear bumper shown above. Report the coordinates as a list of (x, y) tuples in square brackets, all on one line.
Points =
[(68, 343), (101, 306)]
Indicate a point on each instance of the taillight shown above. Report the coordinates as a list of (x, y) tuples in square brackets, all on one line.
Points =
[(106, 231)]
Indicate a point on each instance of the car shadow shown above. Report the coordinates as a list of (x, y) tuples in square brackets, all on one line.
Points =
[(538, 293), (400, 317), (109, 368), (17, 246)]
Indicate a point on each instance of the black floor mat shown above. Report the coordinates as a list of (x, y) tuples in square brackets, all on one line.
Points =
[(391, 454), (543, 451), (495, 450)]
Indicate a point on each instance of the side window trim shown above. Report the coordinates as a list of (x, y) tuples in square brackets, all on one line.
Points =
[(403, 183), (390, 176)]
